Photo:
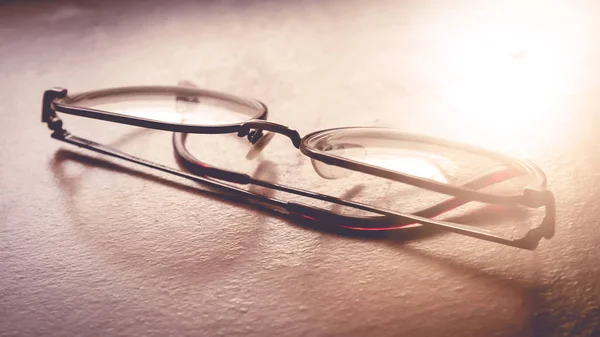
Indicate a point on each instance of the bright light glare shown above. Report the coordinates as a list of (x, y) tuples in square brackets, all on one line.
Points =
[(428, 166), (510, 71)]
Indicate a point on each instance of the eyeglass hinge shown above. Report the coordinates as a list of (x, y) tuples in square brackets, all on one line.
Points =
[(49, 115), (538, 198)]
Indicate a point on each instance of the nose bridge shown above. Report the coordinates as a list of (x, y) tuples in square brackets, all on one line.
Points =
[(261, 125)]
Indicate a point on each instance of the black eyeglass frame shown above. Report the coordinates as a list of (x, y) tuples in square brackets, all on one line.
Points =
[(56, 100)]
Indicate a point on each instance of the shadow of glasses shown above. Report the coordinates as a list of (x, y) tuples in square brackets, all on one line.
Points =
[(69, 185)]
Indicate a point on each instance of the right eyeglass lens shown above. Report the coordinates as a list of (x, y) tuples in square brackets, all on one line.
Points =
[(416, 156)]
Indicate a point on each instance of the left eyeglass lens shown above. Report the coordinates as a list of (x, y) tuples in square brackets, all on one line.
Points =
[(171, 105)]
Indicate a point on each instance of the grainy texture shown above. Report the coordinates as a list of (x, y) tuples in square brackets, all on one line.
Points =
[(92, 246)]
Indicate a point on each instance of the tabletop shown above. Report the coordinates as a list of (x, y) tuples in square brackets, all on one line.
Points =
[(95, 246)]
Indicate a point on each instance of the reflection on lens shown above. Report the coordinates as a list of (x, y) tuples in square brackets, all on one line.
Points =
[(412, 162), (347, 150), (172, 105)]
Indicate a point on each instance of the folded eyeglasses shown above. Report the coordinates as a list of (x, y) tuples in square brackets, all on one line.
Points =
[(382, 152)]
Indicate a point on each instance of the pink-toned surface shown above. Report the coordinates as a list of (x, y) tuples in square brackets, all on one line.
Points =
[(98, 247)]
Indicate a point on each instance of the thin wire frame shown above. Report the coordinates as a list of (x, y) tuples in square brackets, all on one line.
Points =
[(57, 100)]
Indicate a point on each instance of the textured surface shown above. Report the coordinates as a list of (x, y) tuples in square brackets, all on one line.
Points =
[(92, 246)]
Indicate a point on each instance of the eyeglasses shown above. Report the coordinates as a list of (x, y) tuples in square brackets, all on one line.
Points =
[(380, 152)]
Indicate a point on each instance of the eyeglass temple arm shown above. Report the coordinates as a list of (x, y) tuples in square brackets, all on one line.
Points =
[(529, 241)]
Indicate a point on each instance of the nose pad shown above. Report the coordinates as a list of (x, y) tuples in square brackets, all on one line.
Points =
[(345, 151), (257, 147)]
